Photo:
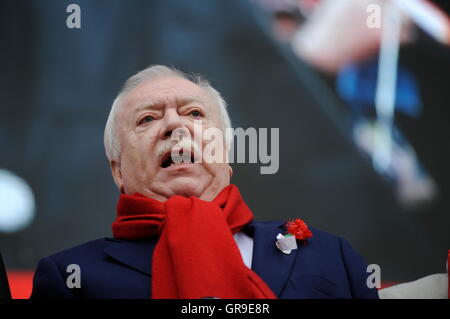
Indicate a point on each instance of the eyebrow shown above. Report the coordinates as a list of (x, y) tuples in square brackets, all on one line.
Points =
[(179, 101)]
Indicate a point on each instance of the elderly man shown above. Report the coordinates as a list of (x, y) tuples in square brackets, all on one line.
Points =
[(182, 230)]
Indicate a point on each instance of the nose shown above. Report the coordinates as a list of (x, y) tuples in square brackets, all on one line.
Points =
[(172, 122)]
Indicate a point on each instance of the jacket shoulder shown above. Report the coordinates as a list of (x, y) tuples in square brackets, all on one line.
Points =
[(51, 273), (87, 249)]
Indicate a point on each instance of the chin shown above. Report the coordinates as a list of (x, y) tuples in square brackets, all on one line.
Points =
[(186, 186)]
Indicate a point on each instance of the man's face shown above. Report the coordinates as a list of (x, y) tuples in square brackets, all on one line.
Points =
[(150, 116)]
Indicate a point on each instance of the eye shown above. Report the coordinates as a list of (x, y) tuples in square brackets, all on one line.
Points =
[(196, 113), (146, 119)]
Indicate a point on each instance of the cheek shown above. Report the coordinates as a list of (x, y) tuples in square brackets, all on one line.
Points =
[(139, 154), (217, 150)]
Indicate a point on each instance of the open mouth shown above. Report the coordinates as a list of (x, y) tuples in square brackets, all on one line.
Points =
[(180, 158)]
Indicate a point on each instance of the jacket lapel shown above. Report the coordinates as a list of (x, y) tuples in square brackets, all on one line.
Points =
[(268, 261), (134, 254)]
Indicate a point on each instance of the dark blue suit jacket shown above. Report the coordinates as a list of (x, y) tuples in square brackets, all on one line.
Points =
[(327, 267)]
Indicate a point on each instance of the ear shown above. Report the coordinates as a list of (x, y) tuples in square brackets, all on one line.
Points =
[(231, 170), (117, 174)]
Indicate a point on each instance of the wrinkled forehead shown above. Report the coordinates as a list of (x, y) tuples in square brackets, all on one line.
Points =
[(165, 91)]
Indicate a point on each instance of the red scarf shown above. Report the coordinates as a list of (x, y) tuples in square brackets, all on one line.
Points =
[(196, 255)]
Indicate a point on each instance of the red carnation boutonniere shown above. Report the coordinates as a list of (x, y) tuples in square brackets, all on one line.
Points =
[(297, 230)]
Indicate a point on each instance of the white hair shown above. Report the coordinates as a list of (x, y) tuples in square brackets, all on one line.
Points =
[(111, 140)]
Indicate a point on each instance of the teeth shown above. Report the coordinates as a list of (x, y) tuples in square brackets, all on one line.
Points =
[(178, 159)]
